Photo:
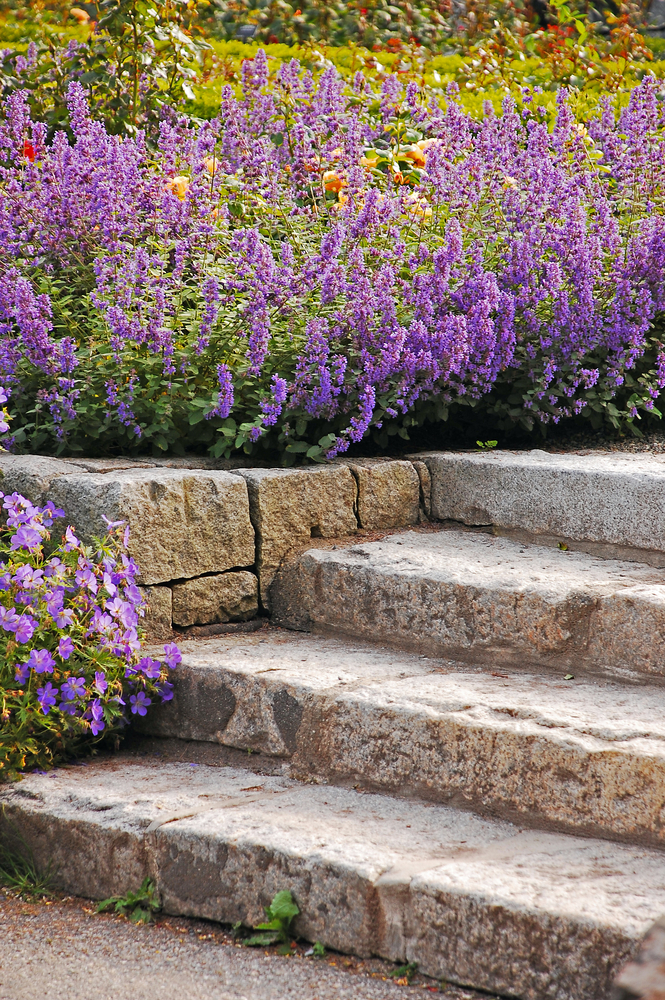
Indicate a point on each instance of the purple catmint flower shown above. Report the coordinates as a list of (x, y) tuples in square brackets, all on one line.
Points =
[(139, 703), (46, 696)]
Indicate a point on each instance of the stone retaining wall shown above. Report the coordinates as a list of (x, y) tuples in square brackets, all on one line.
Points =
[(209, 541)]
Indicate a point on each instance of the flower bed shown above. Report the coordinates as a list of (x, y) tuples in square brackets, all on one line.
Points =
[(323, 261), (70, 663)]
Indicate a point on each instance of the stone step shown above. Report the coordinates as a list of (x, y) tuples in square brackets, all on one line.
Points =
[(579, 755), (471, 900), (612, 503), (482, 599)]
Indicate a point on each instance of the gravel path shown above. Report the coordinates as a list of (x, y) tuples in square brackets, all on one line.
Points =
[(62, 949)]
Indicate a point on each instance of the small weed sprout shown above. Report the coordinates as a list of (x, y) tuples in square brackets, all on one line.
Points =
[(139, 907), (277, 928), (20, 873)]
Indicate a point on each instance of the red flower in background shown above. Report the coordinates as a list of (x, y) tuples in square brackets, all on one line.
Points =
[(29, 151)]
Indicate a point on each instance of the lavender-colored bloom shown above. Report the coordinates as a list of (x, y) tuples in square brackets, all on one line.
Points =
[(41, 661), (73, 688), (22, 672), (151, 668), (25, 629), (172, 655), (164, 690), (100, 681), (8, 619), (26, 537), (139, 703), (46, 697), (65, 647)]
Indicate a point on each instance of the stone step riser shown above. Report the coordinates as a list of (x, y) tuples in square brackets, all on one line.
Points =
[(612, 626), (461, 912), (443, 737)]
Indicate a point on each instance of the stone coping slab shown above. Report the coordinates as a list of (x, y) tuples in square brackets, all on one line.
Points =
[(584, 755), (608, 498), (477, 901), (469, 595), (182, 523)]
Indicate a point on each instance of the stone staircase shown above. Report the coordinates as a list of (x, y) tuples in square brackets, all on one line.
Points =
[(454, 738)]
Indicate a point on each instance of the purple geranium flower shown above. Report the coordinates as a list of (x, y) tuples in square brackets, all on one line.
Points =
[(46, 697), (8, 619), (73, 688), (172, 655), (26, 537), (151, 668), (25, 628), (41, 661), (65, 647), (139, 703), (100, 681)]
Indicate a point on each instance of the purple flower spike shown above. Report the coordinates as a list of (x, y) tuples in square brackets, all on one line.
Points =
[(139, 703)]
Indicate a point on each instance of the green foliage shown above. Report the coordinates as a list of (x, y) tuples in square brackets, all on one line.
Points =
[(406, 972), (18, 868), (139, 907), (140, 57), (276, 929), (318, 950)]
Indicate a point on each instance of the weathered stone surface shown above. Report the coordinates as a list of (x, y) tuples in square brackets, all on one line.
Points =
[(111, 464), (483, 600), (290, 506), (585, 755), (610, 498), (223, 597), (425, 486), (388, 493), (158, 621), (31, 475), (471, 900), (183, 523), (644, 979)]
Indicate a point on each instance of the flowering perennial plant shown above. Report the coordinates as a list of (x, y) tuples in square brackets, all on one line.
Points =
[(70, 660), (322, 261)]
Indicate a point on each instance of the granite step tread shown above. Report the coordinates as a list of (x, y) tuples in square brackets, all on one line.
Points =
[(470, 595), (615, 501), (586, 755), (472, 900)]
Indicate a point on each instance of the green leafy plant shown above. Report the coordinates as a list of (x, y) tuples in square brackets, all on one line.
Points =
[(277, 928), (486, 445), (139, 907), (406, 972), (18, 869)]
